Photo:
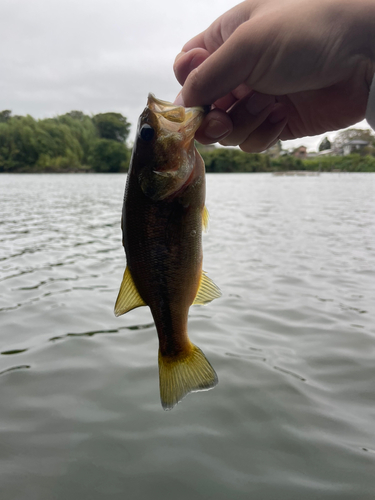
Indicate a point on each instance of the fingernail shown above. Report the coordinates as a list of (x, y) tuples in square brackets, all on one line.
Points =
[(216, 129), (179, 100), (258, 102)]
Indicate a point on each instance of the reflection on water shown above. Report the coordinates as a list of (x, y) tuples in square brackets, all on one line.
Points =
[(292, 340)]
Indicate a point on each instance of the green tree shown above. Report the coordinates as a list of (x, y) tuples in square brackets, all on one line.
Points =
[(5, 115), (76, 115), (325, 144), (352, 134), (64, 143), (234, 160), (287, 162), (60, 140), (19, 143), (83, 130), (112, 126), (109, 156)]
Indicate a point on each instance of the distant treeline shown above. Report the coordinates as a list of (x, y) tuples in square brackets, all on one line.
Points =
[(235, 160), (75, 142), (71, 142)]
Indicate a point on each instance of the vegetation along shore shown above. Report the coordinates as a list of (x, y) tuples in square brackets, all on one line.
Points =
[(76, 142)]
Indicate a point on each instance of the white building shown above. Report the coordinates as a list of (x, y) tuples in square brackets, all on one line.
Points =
[(355, 146)]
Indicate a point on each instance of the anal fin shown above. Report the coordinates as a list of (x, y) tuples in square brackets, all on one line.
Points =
[(128, 297), (207, 291)]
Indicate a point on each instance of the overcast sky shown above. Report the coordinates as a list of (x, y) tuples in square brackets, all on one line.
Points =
[(98, 55)]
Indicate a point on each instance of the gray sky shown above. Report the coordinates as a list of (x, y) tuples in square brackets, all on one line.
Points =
[(98, 55)]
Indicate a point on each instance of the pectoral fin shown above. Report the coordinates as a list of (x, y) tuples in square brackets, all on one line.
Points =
[(128, 297), (207, 291)]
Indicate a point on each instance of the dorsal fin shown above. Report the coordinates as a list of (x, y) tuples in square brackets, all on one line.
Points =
[(207, 291), (205, 219), (128, 297)]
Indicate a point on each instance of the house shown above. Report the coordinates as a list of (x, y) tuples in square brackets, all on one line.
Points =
[(300, 153), (355, 146)]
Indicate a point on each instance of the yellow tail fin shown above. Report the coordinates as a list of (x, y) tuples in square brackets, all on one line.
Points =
[(185, 373)]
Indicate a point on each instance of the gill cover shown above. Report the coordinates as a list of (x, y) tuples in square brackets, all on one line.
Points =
[(165, 153)]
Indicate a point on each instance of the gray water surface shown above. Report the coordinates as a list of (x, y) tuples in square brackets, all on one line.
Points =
[(292, 340)]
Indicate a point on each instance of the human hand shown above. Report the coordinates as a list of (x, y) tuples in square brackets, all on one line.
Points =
[(280, 70)]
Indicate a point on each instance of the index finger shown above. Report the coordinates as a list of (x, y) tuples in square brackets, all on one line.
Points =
[(197, 42), (185, 62), (222, 72)]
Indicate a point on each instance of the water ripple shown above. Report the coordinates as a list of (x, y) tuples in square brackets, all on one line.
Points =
[(14, 368), (292, 340)]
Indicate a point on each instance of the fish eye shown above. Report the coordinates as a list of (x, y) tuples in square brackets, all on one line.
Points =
[(147, 132)]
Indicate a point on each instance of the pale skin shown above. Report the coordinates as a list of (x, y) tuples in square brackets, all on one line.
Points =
[(280, 69)]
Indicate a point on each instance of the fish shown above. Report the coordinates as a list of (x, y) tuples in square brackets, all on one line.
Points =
[(163, 217)]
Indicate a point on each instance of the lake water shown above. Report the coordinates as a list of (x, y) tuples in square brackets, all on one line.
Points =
[(292, 340)]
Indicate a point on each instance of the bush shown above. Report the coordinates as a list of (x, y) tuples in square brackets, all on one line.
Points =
[(109, 156)]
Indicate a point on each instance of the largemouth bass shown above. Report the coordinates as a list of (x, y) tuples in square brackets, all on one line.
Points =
[(162, 219)]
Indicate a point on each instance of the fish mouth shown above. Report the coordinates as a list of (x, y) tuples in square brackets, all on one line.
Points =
[(172, 149), (173, 119)]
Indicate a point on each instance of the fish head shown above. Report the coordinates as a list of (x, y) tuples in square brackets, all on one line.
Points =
[(164, 155)]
